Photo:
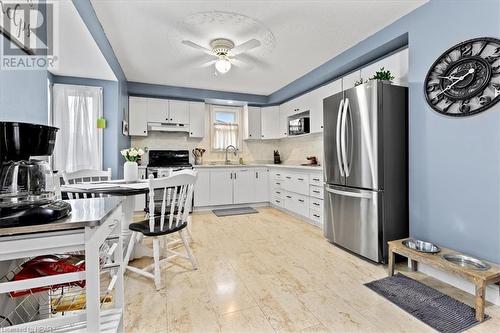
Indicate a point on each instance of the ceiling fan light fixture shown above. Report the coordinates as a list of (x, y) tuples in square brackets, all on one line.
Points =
[(223, 65)]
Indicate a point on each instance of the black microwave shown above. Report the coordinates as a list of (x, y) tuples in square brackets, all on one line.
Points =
[(299, 125)]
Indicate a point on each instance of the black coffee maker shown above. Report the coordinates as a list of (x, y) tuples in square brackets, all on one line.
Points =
[(27, 191)]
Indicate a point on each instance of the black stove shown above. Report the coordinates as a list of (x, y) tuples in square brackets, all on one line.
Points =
[(169, 159)]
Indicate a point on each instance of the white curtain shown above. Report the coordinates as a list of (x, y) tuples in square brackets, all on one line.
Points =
[(225, 135), (79, 141)]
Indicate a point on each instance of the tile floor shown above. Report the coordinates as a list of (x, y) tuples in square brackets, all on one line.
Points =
[(270, 272)]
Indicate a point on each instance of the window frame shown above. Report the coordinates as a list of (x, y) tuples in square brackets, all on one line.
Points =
[(238, 116)]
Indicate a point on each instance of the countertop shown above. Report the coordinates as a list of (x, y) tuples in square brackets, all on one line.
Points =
[(261, 165), (85, 213)]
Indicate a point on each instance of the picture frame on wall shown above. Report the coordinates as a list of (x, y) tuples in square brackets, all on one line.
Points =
[(124, 127)]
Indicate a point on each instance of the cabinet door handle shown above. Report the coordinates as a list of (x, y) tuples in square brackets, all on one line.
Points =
[(231, 175), (316, 215), (278, 192), (288, 177), (301, 179), (278, 183), (277, 201), (235, 175), (257, 175), (289, 197), (301, 200), (316, 179), (315, 204), (317, 192)]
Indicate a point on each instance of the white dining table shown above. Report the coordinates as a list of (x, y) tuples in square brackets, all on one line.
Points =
[(127, 190)]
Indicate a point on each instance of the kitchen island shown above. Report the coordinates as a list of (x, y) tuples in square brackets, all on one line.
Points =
[(93, 231)]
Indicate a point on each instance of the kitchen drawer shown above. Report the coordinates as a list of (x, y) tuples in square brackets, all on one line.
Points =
[(277, 193), (297, 203), (316, 191), (297, 183), (316, 204), (316, 216), (276, 184), (276, 175), (277, 201), (316, 179)]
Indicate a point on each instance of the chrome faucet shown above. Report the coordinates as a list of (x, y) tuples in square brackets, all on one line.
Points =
[(227, 161)]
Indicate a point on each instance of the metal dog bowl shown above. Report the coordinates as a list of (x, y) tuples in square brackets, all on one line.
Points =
[(467, 262), (421, 246)]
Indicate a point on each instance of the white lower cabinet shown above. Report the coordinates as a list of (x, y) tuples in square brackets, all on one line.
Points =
[(298, 191), (202, 189), (261, 184), (221, 187), (244, 186)]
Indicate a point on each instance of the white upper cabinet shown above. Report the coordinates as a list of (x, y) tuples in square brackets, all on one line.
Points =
[(157, 110), (137, 116), (270, 117), (252, 123), (196, 120), (317, 103), (349, 80), (283, 120), (397, 63), (178, 112)]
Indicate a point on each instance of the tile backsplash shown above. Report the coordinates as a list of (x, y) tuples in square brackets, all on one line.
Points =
[(292, 150)]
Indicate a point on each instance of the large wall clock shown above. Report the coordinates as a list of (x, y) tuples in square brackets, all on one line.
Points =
[(465, 79)]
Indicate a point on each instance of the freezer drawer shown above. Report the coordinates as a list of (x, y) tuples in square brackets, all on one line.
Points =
[(352, 219)]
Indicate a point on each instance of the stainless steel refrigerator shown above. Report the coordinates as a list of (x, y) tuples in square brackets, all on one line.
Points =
[(366, 168)]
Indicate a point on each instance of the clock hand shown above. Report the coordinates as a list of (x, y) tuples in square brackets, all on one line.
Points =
[(471, 70)]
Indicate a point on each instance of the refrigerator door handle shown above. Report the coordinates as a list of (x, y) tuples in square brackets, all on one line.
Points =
[(366, 195), (343, 137), (339, 138)]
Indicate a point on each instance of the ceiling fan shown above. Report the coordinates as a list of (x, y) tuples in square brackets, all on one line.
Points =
[(226, 53)]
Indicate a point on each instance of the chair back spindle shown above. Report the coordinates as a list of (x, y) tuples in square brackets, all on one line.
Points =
[(177, 193), (83, 177)]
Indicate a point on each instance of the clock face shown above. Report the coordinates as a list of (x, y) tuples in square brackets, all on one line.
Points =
[(465, 80)]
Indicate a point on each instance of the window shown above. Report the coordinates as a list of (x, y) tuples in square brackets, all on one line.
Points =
[(225, 128), (79, 141)]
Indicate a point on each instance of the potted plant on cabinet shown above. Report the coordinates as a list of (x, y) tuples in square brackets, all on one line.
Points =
[(130, 167), (383, 75)]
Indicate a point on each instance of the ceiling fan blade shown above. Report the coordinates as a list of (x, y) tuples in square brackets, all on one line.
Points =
[(196, 46), (246, 46), (207, 64), (252, 61), (241, 63)]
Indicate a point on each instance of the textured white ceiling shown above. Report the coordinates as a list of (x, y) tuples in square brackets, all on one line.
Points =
[(76, 50), (146, 37)]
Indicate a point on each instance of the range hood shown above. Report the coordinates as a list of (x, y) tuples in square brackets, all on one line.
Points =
[(167, 127)]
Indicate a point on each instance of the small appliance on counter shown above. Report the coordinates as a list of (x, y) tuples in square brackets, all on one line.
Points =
[(313, 161), (27, 195), (277, 157)]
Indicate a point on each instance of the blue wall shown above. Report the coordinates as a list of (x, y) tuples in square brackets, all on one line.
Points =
[(89, 17), (23, 94), (111, 113), (454, 163)]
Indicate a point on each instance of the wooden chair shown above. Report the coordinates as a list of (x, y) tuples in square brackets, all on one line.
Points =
[(85, 176), (176, 203)]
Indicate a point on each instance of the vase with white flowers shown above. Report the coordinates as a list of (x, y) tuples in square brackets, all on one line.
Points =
[(130, 167)]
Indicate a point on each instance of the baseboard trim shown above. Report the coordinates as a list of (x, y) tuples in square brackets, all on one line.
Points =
[(492, 292), (300, 217)]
